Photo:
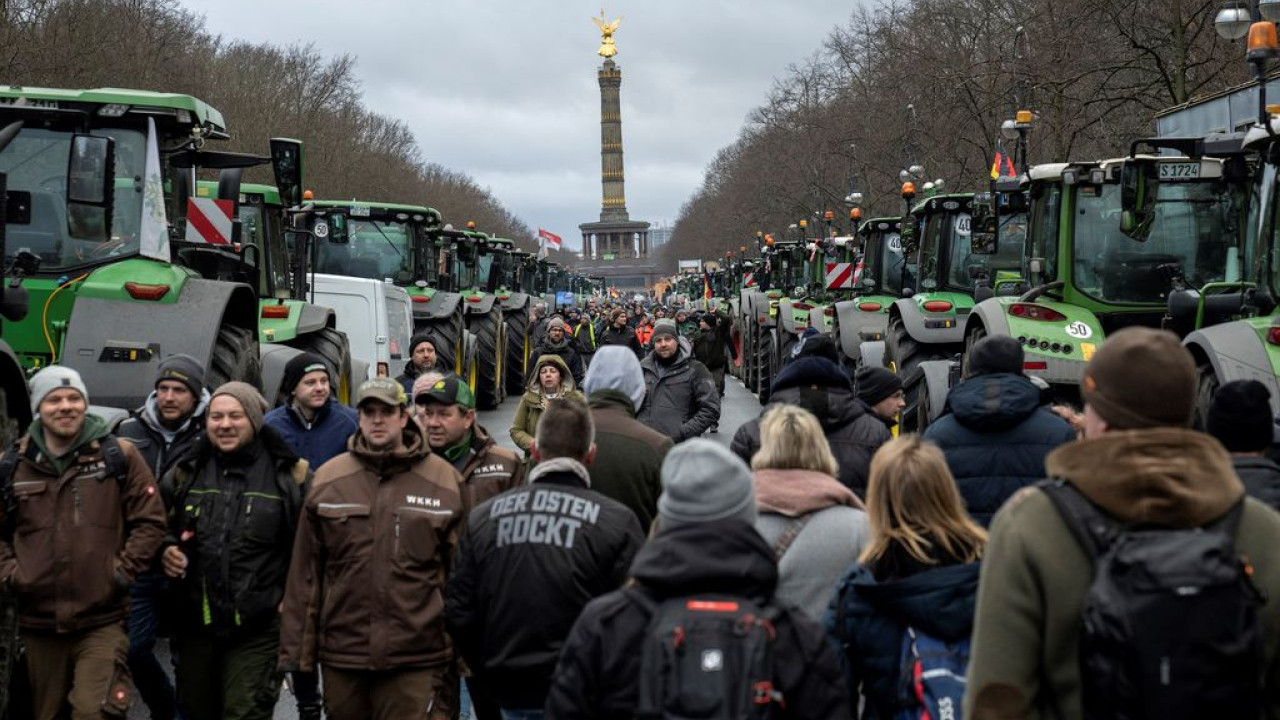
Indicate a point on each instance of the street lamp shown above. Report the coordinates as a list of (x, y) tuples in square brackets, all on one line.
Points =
[(1232, 21)]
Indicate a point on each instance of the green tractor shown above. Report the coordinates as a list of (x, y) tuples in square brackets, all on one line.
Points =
[(15, 403), (403, 244), (478, 282), (1143, 240), (506, 265), (877, 286), (770, 331), (947, 264), (100, 186), (288, 324)]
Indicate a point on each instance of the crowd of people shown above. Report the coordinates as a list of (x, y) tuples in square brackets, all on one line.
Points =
[(1018, 559)]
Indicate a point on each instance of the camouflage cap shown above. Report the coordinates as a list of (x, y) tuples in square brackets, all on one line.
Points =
[(384, 390), (448, 391)]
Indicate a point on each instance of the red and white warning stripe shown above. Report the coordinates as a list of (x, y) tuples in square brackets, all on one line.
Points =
[(209, 221), (749, 280), (840, 276)]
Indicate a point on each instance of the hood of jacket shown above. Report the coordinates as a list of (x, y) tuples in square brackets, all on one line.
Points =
[(992, 403), (940, 601), (834, 406), (566, 378), (95, 428), (725, 556), (604, 399), (147, 413), (811, 371), (1168, 477), (615, 367), (388, 462)]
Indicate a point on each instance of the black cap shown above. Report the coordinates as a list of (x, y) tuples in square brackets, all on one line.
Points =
[(995, 354), (299, 366), (1240, 416), (184, 369), (816, 345), (876, 384)]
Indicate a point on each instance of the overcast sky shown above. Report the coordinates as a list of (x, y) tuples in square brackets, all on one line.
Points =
[(505, 90)]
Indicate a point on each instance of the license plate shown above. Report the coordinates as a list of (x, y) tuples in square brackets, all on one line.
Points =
[(359, 212), (1180, 171)]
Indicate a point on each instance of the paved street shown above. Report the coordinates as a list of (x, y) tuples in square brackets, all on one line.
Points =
[(739, 407)]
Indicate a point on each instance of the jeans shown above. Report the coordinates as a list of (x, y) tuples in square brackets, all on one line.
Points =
[(145, 598), (533, 714)]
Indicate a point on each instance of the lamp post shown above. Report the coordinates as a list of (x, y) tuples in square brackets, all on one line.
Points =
[(1257, 20)]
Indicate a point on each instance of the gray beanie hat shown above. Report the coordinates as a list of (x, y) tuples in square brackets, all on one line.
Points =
[(255, 406), (702, 481), (53, 378), (184, 369), (615, 367), (665, 327)]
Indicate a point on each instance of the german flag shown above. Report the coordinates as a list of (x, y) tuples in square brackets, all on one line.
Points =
[(706, 286), (1002, 164)]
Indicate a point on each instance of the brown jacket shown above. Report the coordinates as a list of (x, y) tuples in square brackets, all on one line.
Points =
[(80, 538), (491, 471), (370, 562), (1035, 576)]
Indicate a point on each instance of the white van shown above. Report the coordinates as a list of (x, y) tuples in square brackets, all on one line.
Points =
[(376, 317)]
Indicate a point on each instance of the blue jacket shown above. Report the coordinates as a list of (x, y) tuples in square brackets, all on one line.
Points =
[(324, 439), (996, 434), (867, 619)]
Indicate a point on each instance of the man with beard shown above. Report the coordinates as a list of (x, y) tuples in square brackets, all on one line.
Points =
[(617, 332), (559, 342), (680, 398), (81, 519), (447, 411), (366, 585), (164, 429), (233, 513)]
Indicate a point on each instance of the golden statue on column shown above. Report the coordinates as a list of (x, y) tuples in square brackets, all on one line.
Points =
[(607, 29)]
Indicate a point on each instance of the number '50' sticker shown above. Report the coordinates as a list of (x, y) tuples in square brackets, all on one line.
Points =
[(1079, 330)]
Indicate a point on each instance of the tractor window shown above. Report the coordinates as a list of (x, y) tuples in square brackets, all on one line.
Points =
[(1044, 229), (1195, 230), (379, 249), (930, 247), (36, 163), (1013, 232), (253, 233), (484, 269), (897, 270)]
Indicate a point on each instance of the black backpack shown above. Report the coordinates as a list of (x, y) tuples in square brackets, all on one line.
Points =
[(707, 657), (1170, 625)]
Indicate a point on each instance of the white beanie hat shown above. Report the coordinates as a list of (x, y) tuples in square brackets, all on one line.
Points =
[(53, 378)]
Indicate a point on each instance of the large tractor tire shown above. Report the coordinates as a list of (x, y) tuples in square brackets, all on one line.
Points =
[(750, 336), (235, 357), (490, 348), (447, 335), (334, 347), (1207, 385), (765, 366), (518, 350), (903, 355)]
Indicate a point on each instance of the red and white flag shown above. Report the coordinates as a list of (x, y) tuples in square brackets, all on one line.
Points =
[(551, 239)]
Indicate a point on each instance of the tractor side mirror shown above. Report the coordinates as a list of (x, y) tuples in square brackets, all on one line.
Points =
[(983, 239), (286, 165), (1139, 180), (91, 185)]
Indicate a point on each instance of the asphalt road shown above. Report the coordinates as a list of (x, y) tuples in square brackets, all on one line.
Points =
[(738, 407)]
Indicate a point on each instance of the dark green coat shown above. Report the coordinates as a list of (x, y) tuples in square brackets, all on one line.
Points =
[(629, 455)]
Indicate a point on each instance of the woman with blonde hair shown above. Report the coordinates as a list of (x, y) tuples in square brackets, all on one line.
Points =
[(918, 572), (814, 523)]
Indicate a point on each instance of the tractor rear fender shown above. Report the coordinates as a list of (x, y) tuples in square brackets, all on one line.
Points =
[(937, 383), (102, 333), (1235, 352), (871, 353), (913, 320), (854, 322), (313, 318), (482, 306), (13, 381), (442, 305), (990, 315), (518, 301), (274, 357)]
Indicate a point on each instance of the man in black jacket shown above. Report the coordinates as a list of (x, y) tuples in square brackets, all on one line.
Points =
[(814, 381), (559, 341), (1240, 418), (705, 543), (164, 430), (712, 346), (680, 399), (233, 507), (620, 332), (539, 551), (995, 431)]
